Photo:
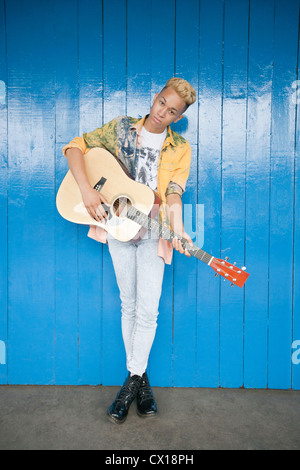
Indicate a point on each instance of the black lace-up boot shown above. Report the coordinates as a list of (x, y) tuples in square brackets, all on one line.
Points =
[(118, 411), (146, 405)]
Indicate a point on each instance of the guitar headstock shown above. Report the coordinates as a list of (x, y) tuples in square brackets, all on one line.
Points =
[(235, 275)]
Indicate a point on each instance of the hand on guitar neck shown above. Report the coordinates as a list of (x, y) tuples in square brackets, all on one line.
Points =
[(178, 245), (174, 209)]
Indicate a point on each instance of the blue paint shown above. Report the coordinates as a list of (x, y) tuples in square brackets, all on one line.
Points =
[(258, 180), (282, 198), (209, 186), (3, 197), (59, 302), (296, 234), (114, 104), (233, 176), (161, 359)]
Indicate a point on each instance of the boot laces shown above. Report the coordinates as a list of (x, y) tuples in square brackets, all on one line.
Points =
[(145, 391), (129, 389)]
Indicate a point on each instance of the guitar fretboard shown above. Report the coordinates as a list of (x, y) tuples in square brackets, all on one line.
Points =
[(163, 231)]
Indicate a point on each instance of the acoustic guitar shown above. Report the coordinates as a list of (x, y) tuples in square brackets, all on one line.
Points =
[(131, 210)]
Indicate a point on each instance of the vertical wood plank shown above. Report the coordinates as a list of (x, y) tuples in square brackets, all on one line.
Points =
[(30, 214), (160, 363), (185, 269), (296, 240), (138, 58), (209, 187), (281, 195), (67, 127), (233, 187), (90, 261), (3, 196), (257, 192), (114, 59), (113, 358)]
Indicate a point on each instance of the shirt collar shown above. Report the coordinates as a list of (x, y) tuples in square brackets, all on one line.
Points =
[(138, 128)]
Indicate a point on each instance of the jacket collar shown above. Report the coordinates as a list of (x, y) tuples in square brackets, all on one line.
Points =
[(138, 128)]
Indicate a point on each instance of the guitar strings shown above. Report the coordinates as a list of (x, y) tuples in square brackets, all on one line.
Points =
[(165, 232)]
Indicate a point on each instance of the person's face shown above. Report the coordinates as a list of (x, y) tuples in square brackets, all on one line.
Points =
[(167, 107)]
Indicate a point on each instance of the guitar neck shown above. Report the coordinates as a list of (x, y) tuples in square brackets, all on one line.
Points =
[(163, 231)]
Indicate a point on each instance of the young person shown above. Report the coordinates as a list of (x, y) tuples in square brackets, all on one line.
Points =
[(160, 158)]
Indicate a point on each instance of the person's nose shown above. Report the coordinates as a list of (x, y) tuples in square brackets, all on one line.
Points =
[(162, 112)]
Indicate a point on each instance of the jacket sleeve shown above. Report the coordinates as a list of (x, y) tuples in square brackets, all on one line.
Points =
[(103, 137), (181, 172), (78, 142)]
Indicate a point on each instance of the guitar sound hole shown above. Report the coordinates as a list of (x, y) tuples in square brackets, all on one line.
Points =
[(121, 206)]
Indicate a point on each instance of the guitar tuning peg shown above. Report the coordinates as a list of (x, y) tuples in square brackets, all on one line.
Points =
[(234, 263), (226, 258), (216, 275), (243, 268), (232, 285)]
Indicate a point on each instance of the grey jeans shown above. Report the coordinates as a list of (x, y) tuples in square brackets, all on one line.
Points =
[(139, 272)]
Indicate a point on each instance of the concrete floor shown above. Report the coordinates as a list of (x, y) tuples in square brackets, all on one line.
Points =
[(66, 417)]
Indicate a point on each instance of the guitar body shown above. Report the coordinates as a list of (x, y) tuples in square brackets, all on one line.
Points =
[(106, 174)]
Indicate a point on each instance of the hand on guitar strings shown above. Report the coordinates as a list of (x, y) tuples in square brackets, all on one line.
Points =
[(93, 200)]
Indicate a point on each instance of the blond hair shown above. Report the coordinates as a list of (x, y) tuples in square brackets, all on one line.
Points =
[(183, 88)]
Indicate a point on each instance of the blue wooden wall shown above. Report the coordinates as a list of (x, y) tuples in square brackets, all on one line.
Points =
[(68, 66)]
